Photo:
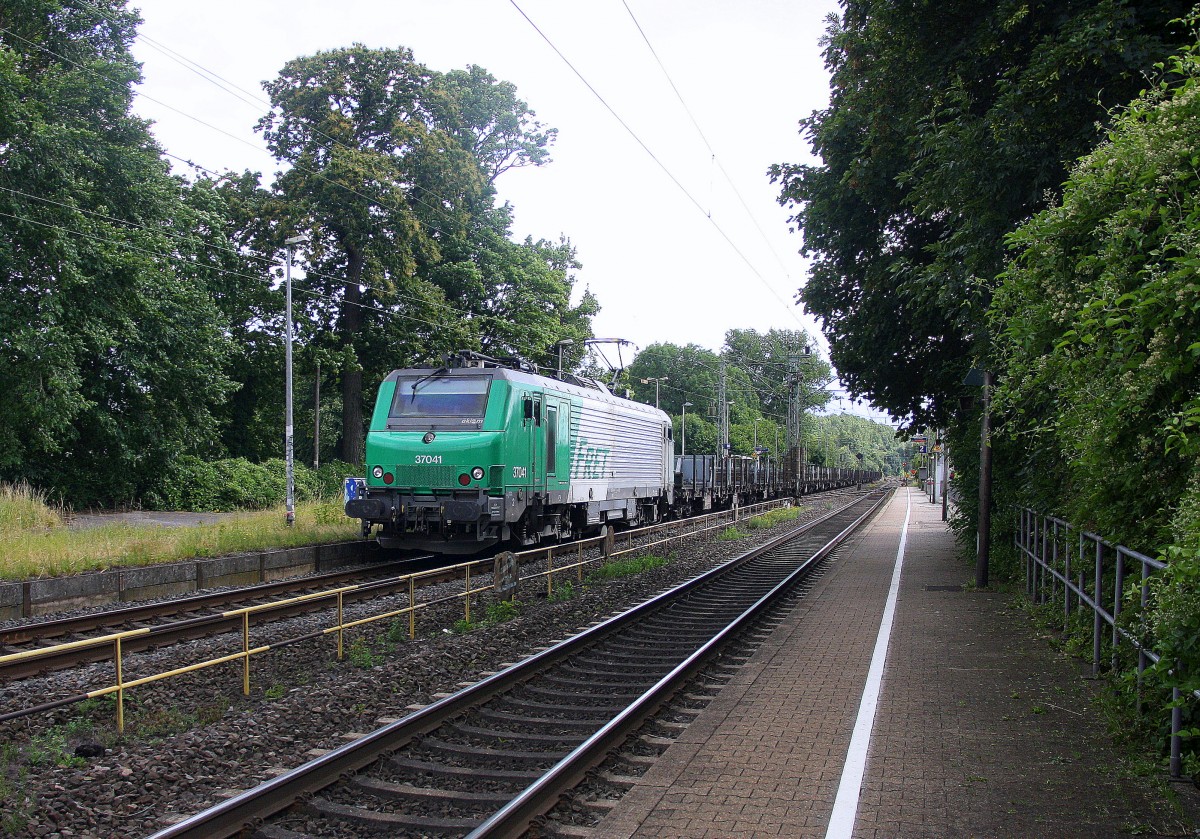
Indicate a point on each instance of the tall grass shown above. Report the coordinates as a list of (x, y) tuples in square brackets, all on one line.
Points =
[(52, 550), (24, 508)]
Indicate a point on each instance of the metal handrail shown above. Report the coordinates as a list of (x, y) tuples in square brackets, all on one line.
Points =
[(1038, 540)]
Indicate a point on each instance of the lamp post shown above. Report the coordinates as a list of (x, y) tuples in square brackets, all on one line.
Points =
[(657, 382), (565, 342), (757, 420), (683, 429), (287, 428)]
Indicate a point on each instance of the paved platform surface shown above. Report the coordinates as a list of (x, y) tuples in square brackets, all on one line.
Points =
[(982, 728)]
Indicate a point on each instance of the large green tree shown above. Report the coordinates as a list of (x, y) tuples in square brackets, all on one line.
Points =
[(391, 177), (949, 123), (777, 362), (112, 347)]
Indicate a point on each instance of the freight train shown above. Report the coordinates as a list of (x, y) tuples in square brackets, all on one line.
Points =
[(480, 452)]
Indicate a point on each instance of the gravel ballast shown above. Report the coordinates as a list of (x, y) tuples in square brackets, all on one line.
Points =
[(192, 740)]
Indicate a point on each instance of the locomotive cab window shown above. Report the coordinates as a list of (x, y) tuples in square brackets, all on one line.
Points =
[(451, 399), (551, 439)]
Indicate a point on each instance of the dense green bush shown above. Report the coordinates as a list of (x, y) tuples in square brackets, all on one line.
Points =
[(1096, 329), (237, 484)]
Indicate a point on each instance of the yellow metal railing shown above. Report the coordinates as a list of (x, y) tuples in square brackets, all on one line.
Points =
[(675, 531)]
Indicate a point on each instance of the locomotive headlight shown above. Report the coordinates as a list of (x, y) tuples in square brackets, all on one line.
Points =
[(377, 472), (477, 473)]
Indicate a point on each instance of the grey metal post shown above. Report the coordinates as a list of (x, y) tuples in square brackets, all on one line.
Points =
[(1066, 589), (287, 428), (1142, 659), (1096, 594), (983, 536), (1176, 725), (317, 419), (1118, 591), (1053, 566), (1031, 540), (683, 429), (565, 342)]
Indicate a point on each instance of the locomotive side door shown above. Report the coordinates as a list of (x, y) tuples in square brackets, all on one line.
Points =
[(557, 455), (536, 437)]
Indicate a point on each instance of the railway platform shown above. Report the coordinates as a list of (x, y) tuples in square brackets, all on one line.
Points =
[(980, 729)]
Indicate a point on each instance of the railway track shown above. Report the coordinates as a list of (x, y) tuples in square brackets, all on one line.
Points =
[(492, 758), (182, 619), (196, 616)]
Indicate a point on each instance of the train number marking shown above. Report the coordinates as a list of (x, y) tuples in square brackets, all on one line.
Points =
[(520, 472), (427, 458)]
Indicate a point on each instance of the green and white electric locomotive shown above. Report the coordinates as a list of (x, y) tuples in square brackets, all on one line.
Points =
[(464, 457)]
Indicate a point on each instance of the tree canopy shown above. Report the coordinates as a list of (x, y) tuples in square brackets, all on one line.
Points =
[(112, 345), (949, 124), (1097, 321), (391, 180), (142, 314)]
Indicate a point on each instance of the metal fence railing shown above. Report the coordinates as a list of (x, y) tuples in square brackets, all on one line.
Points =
[(1085, 571)]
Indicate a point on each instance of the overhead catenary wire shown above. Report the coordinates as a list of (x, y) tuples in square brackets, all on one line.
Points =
[(670, 175), (220, 82), (714, 157), (251, 255), (212, 77), (374, 202)]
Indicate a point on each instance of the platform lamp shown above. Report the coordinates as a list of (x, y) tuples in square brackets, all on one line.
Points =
[(683, 429), (288, 441), (657, 381)]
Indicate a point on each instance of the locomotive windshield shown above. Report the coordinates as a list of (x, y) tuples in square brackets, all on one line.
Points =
[(439, 397)]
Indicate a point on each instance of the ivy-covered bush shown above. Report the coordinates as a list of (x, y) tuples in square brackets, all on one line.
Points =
[(1097, 326), (1097, 344)]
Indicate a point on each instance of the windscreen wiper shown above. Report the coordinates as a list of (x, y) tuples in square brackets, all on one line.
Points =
[(424, 379)]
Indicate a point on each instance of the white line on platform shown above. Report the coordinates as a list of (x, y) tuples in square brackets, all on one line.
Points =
[(845, 806)]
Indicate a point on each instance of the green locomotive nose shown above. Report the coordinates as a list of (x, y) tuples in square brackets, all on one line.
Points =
[(459, 459)]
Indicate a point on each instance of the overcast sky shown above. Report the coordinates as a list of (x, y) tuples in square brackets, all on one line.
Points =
[(678, 263)]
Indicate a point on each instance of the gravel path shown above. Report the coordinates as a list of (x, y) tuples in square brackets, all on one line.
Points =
[(193, 739)]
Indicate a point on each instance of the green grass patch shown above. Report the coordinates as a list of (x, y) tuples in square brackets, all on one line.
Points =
[(627, 567), (501, 611), (731, 534), (773, 517), (361, 655), (397, 632), (562, 592), (56, 551)]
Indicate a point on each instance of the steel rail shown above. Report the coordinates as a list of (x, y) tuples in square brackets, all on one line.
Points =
[(37, 660), (253, 806), (56, 627), (514, 819)]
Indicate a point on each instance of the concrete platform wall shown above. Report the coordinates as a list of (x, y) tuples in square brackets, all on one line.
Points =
[(32, 598)]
